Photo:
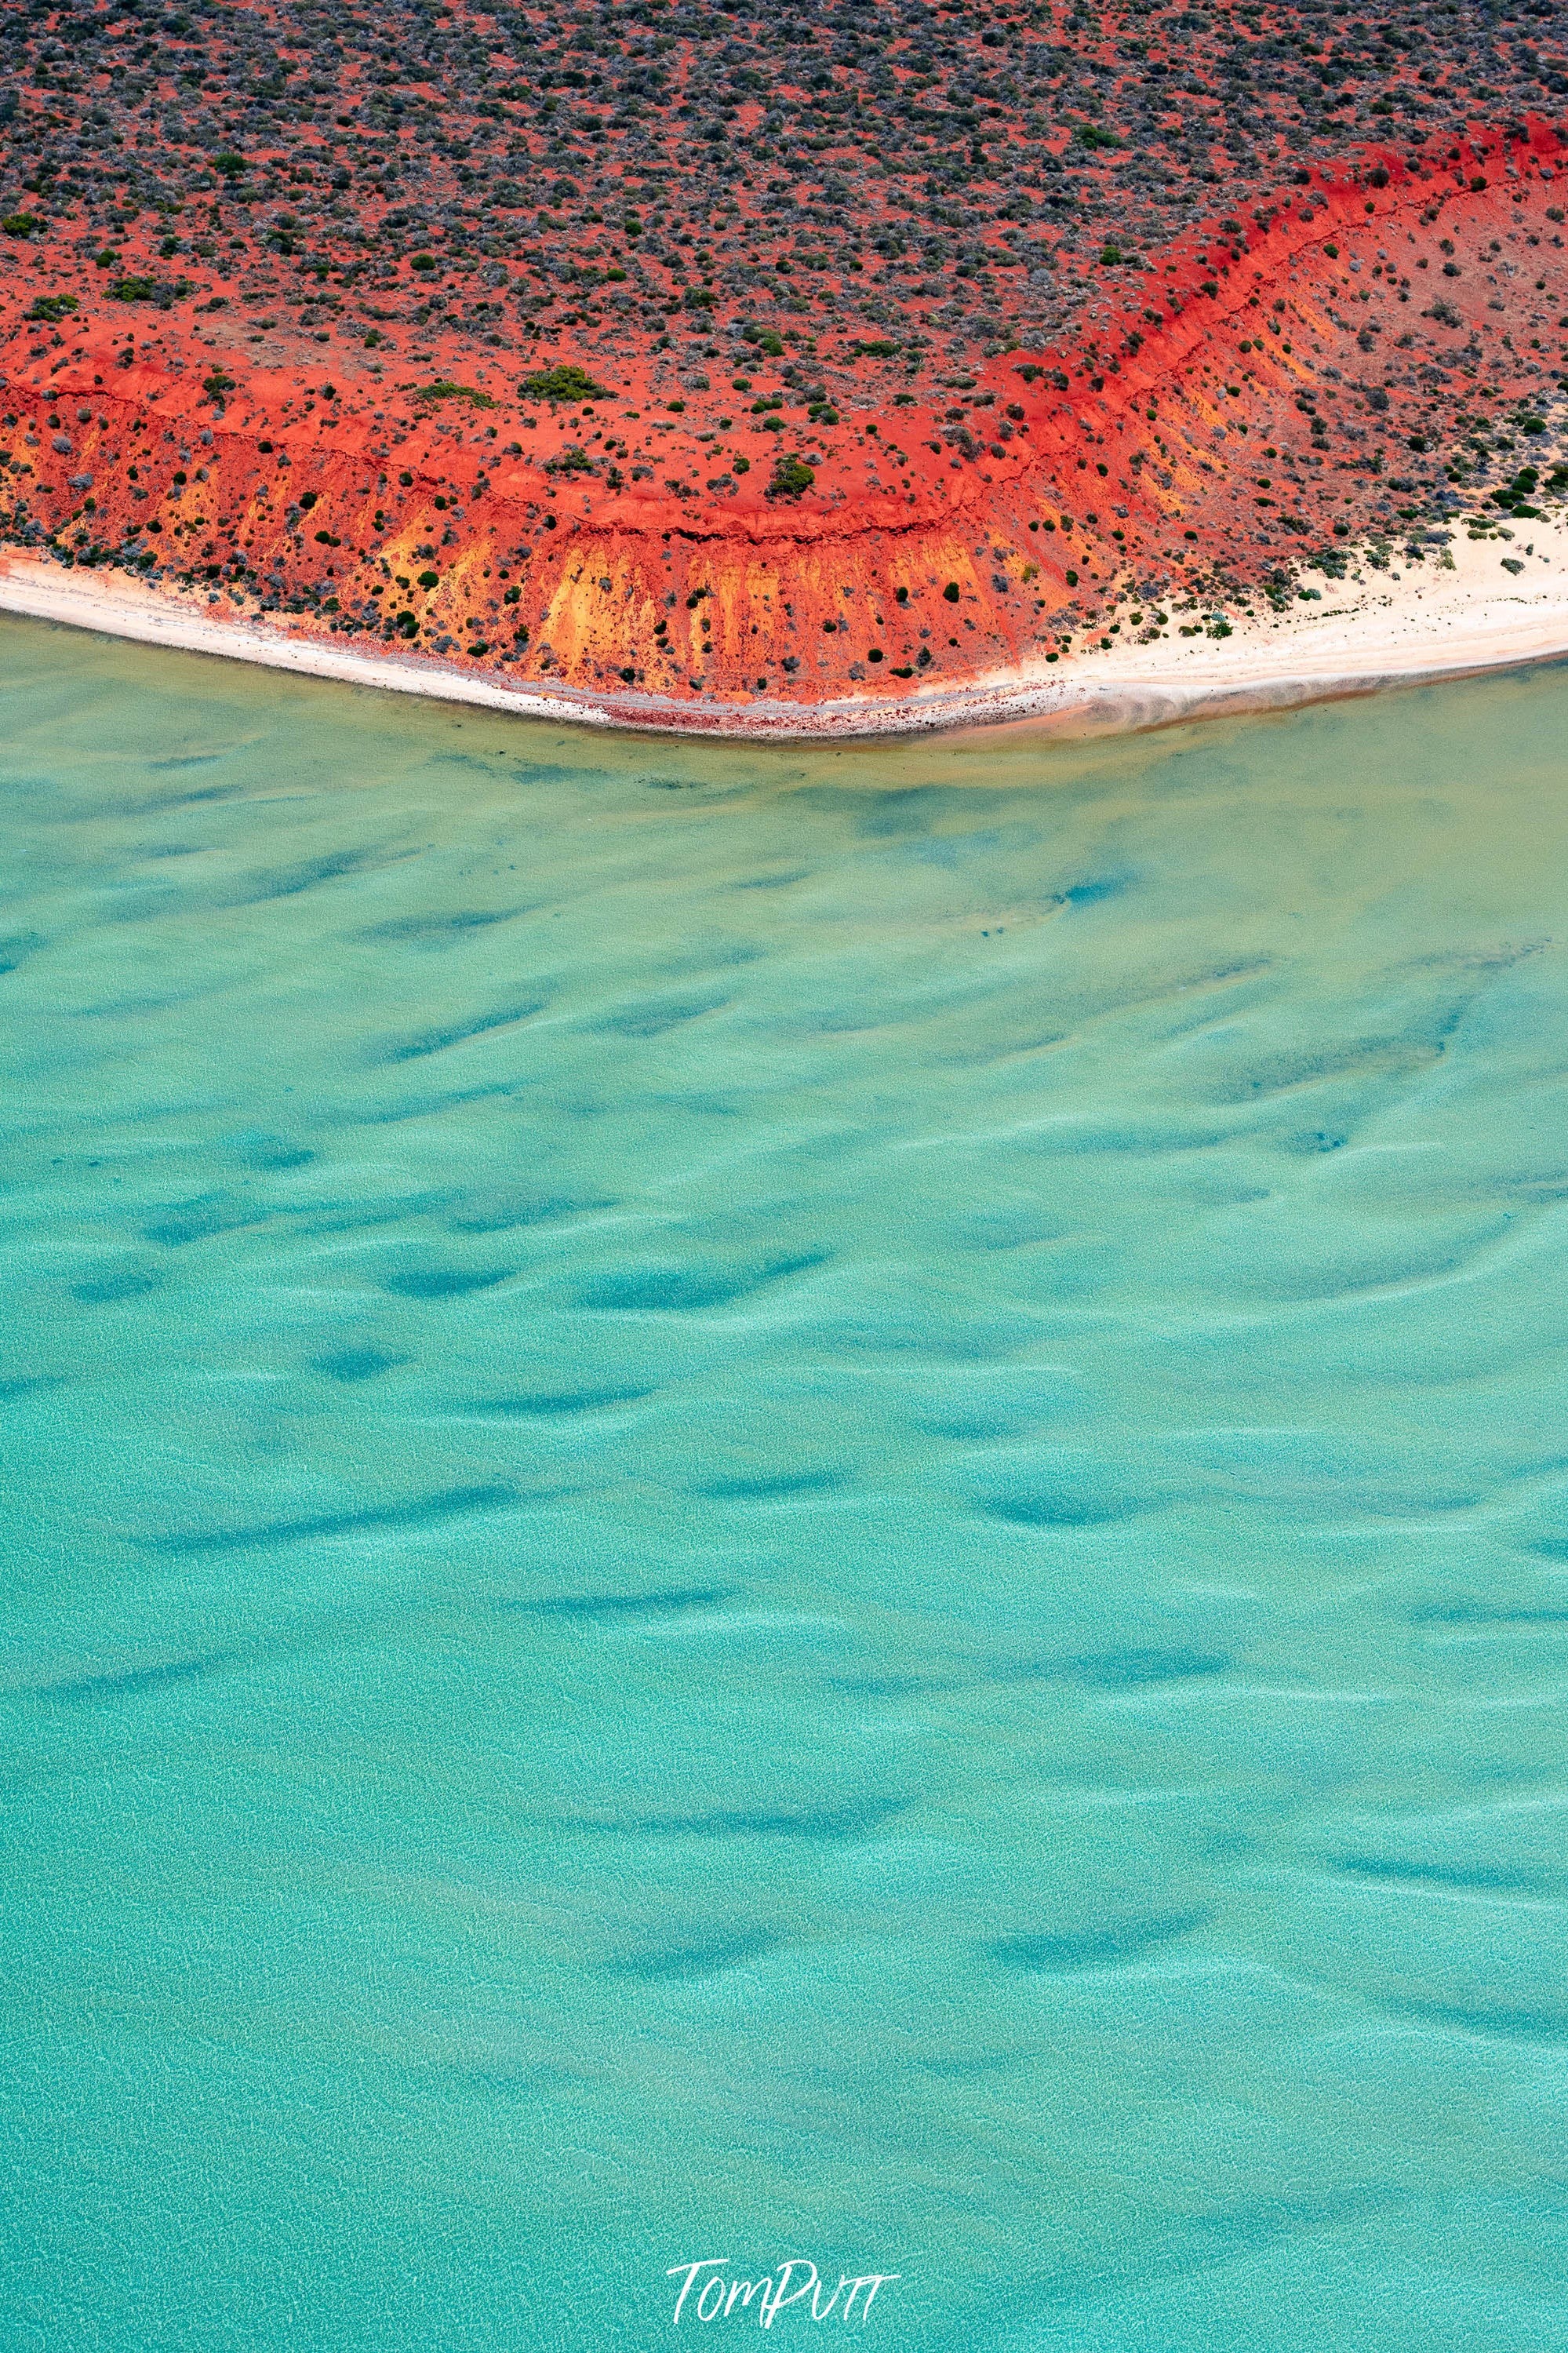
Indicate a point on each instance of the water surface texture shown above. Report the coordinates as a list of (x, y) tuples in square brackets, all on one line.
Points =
[(774, 1504)]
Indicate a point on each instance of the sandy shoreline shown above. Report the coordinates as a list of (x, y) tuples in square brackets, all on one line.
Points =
[(1410, 623)]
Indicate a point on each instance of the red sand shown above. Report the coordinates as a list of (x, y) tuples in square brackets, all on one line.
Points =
[(1352, 359)]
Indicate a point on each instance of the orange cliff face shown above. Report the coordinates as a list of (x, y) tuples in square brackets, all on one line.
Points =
[(734, 531)]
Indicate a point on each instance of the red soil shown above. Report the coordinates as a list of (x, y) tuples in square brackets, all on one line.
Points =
[(1342, 363)]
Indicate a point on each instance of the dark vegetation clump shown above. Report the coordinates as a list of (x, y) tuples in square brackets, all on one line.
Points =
[(790, 477), (431, 395), (565, 382)]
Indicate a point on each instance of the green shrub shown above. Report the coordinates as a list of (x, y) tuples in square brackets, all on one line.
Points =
[(565, 381), (133, 290), (51, 308), (428, 395), (791, 476), (19, 224)]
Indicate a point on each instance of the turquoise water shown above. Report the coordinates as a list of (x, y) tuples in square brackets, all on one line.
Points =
[(777, 1503)]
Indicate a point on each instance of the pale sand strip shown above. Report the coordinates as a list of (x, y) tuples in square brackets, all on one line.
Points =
[(1411, 623)]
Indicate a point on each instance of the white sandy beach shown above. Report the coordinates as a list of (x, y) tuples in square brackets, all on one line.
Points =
[(1374, 629)]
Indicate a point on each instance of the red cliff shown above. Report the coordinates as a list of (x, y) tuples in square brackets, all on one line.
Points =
[(719, 499)]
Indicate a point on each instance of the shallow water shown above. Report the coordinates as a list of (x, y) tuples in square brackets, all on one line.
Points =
[(772, 1503)]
